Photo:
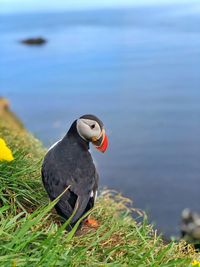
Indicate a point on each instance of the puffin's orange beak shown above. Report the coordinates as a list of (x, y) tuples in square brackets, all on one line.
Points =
[(102, 143)]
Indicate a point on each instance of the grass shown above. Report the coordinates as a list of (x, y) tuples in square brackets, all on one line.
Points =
[(32, 235)]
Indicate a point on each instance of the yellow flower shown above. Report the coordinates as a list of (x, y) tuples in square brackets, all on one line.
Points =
[(5, 152), (196, 263)]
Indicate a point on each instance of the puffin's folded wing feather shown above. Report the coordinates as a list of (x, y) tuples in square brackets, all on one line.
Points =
[(81, 204), (95, 188)]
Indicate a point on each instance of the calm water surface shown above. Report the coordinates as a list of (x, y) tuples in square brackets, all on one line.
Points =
[(139, 71)]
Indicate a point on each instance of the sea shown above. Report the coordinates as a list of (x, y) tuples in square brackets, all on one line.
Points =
[(138, 70)]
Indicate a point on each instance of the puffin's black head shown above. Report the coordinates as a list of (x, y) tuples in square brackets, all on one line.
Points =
[(91, 129)]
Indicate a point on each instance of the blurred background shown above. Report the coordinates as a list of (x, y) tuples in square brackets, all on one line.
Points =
[(137, 67)]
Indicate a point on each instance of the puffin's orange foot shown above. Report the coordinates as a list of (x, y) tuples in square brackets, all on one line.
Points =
[(91, 223)]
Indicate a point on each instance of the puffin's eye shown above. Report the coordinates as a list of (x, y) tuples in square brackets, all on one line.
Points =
[(92, 126)]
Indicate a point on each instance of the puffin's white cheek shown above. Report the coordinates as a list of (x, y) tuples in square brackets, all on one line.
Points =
[(83, 130), (96, 132), (88, 133)]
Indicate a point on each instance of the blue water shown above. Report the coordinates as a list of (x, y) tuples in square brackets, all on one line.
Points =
[(139, 71)]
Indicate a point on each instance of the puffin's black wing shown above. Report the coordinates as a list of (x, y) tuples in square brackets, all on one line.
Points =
[(59, 173), (93, 194)]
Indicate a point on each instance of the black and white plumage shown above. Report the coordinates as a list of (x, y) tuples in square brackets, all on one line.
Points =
[(69, 164)]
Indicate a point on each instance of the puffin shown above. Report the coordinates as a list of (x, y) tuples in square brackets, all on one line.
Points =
[(190, 227), (68, 169)]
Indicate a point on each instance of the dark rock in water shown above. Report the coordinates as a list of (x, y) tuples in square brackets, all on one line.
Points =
[(190, 227), (34, 41)]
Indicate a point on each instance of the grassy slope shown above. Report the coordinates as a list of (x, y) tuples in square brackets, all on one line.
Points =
[(30, 234)]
